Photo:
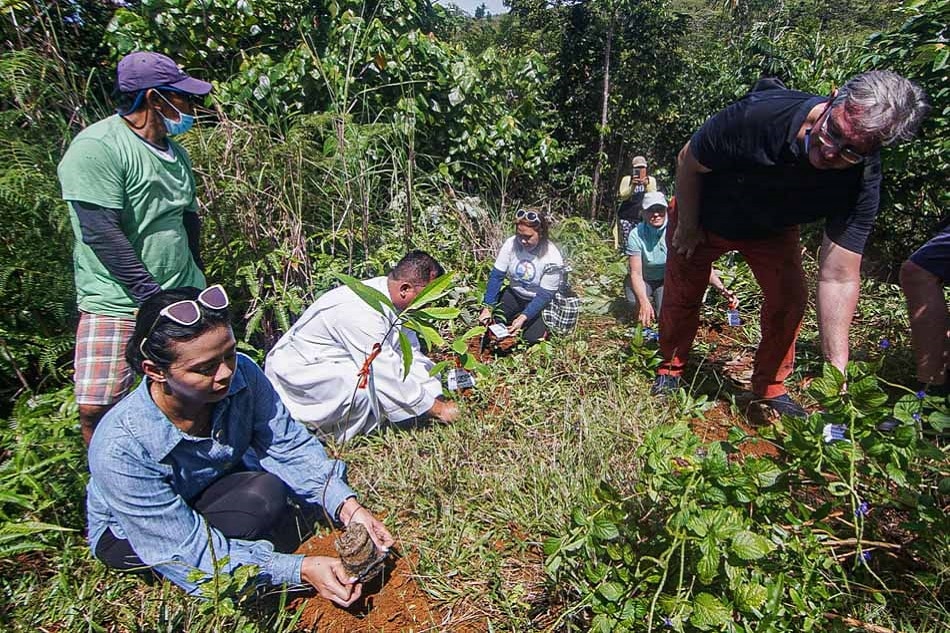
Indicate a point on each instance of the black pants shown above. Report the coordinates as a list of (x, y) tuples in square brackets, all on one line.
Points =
[(245, 505), (512, 305)]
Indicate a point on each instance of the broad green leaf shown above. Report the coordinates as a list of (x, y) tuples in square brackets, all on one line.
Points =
[(551, 546), (431, 336), (374, 298), (750, 597), (435, 289), (612, 591), (440, 314), (708, 566), (440, 367), (604, 529), (709, 612), (406, 348), (478, 330), (750, 546)]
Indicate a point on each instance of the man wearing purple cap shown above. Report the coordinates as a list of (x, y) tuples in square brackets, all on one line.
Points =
[(131, 196)]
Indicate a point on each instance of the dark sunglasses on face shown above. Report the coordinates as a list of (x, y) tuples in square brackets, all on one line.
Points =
[(187, 312), (531, 217)]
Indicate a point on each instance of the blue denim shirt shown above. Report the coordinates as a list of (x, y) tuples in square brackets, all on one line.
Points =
[(145, 471)]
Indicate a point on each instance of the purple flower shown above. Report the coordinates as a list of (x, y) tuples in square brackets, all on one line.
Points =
[(916, 417), (834, 433), (921, 394), (884, 343), (862, 509), (865, 556), (667, 622)]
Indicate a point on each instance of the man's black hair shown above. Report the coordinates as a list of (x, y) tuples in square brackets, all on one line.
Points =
[(417, 267)]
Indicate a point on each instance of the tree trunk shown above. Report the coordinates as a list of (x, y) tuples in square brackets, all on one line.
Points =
[(603, 119)]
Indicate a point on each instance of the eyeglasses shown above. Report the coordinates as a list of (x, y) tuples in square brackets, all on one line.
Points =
[(833, 142), (531, 217), (187, 312)]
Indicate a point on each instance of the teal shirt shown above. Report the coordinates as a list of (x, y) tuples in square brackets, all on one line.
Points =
[(650, 244), (108, 165)]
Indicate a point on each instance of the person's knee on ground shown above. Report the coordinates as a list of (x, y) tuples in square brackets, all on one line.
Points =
[(928, 321)]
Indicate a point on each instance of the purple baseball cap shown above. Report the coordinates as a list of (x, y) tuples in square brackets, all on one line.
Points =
[(144, 69)]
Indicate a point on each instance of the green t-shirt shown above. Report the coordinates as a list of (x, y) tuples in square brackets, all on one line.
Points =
[(108, 165)]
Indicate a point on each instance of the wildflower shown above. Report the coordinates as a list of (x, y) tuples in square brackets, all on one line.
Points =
[(885, 343), (862, 509), (865, 556), (916, 417), (921, 394), (834, 433), (668, 623)]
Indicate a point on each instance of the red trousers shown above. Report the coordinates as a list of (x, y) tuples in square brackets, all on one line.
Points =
[(776, 263)]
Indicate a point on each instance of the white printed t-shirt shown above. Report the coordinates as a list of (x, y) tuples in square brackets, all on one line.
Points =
[(524, 269)]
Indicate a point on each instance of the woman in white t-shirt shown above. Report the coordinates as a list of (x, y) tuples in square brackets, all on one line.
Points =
[(532, 265)]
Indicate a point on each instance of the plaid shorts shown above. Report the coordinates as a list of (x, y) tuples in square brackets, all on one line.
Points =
[(102, 376)]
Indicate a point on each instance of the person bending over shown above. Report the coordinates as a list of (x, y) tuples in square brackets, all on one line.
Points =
[(317, 366), (747, 179)]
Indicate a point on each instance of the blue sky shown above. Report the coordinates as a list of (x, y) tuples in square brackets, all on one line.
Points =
[(494, 6)]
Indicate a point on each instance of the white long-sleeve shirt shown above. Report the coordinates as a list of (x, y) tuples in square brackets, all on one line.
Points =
[(315, 366)]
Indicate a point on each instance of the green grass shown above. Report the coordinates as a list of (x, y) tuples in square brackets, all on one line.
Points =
[(475, 499)]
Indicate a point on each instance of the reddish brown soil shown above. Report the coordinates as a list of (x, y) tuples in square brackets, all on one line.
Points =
[(391, 602), (715, 428)]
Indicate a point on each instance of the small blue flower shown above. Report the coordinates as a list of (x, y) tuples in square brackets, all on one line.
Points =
[(884, 343), (865, 556), (667, 622), (916, 417), (834, 433), (862, 510), (921, 394)]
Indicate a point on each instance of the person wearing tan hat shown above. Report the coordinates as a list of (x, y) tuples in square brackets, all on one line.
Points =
[(630, 196), (131, 196)]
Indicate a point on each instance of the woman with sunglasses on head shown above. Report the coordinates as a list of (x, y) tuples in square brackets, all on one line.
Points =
[(199, 462), (646, 252), (526, 259)]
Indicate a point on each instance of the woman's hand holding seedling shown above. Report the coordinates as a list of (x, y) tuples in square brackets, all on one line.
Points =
[(330, 579), (351, 511)]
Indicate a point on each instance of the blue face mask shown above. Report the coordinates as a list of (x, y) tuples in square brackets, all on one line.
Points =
[(184, 123)]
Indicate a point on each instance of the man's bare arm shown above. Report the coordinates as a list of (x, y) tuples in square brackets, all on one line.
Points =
[(839, 284), (688, 189)]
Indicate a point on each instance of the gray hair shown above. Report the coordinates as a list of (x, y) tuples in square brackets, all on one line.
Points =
[(885, 106)]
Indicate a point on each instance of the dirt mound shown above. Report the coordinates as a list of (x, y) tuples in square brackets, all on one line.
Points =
[(391, 602)]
